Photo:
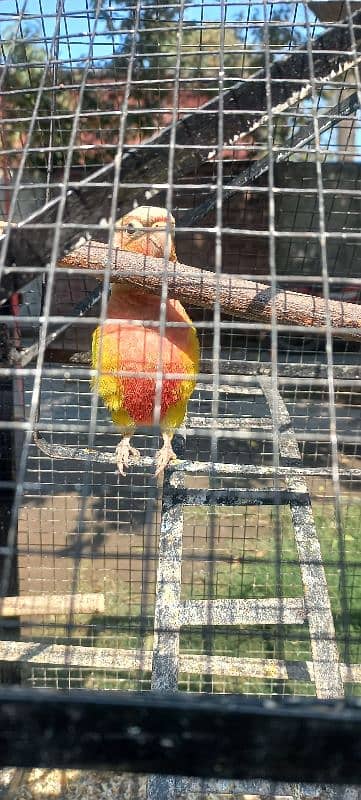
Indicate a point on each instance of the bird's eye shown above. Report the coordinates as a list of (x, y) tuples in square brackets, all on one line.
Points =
[(130, 228)]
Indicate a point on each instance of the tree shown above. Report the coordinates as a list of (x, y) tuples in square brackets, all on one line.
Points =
[(146, 50), (26, 70), (157, 39), (22, 68)]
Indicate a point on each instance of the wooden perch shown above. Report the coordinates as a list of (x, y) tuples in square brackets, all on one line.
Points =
[(42, 605), (247, 300)]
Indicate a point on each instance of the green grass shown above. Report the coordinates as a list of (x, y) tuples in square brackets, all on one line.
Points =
[(269, 568), (341, 551), (253, 555)]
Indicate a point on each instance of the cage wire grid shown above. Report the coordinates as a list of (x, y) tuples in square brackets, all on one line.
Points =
[(240, 571)]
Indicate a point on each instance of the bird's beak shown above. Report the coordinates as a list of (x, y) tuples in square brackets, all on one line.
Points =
[(163, 241), (157, 242)]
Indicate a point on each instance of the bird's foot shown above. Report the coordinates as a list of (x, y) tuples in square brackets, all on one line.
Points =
[(123, 453), (164, 455)]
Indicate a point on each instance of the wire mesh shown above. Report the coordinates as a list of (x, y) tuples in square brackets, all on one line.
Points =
[(238, 571)]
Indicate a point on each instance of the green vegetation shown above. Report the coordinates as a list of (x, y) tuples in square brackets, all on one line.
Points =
[(143, 51), (254, 572), (248, 544)]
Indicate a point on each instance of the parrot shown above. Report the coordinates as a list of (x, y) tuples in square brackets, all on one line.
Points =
[(126, 343)]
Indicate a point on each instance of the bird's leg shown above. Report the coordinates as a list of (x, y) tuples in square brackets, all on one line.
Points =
[(165, 454), (123, 452)]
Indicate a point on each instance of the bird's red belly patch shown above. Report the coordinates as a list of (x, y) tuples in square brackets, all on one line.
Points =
[(137, 350), (139, 397)]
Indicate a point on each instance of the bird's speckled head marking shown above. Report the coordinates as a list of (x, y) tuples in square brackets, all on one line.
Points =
[(148, 230)]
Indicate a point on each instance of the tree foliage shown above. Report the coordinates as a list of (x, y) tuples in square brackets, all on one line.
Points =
[(150, 48), (157, 45), (38, 104)]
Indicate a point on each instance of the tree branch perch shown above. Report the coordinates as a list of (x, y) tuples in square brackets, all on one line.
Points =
[(248, 300)]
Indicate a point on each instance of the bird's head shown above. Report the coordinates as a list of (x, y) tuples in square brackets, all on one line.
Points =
[(148, 230)]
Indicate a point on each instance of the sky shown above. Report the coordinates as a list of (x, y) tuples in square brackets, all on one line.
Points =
[(74, 35), (75, 31)]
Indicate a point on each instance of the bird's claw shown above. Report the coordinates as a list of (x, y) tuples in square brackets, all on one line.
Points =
[(123, 452), (164, 456)]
